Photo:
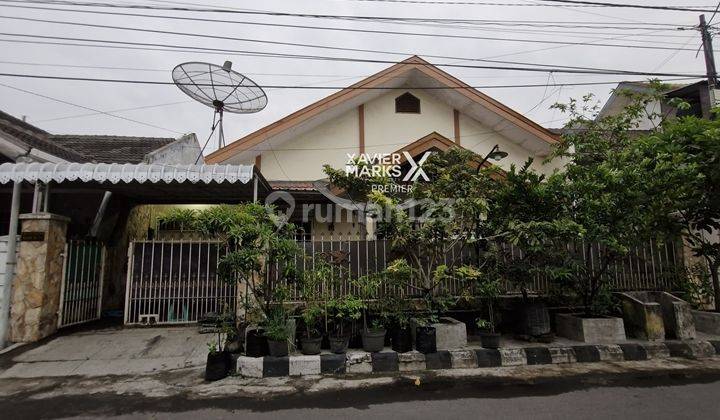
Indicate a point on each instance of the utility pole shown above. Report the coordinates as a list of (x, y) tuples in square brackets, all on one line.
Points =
[(709, 59)]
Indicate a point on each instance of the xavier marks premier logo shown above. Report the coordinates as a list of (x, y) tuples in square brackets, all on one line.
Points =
[(388, 165)]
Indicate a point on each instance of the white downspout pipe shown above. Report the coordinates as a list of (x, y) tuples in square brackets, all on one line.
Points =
[(10, 264)]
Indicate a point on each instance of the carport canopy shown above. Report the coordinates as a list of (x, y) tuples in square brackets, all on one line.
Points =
[(154, 183)]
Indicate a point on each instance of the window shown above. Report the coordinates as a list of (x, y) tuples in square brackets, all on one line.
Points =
[(407, 104)]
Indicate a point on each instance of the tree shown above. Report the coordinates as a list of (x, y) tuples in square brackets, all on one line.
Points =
[(608, 198), (256, 240), (681, 166), (532, 211)]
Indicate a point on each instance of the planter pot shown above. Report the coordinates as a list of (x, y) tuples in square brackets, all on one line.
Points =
[(256, 344), (449, 333), (590, 330), (217, 366), (425, 340), (373, 341), (535, 320), (339, 345), (402, 340), (278, 348), (311, 345), (490, 340)]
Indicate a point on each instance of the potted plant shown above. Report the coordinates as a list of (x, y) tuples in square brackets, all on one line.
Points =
[(489, 339), (277, 334), (398, 315), (341, 312), (373, 333), (488, 289), (219, 360), (425, 338), (311, 342)]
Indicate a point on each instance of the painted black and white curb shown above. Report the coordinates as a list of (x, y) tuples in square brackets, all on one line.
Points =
[(390, 361)]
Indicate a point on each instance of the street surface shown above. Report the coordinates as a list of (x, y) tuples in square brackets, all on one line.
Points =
[(646, 395)]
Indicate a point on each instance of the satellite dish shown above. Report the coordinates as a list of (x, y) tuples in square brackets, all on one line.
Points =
[(220, 88)]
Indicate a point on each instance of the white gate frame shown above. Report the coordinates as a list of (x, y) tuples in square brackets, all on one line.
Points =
[(80, 305)]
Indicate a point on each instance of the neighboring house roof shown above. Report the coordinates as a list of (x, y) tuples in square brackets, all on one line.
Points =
[(292, 185), (36, 138), (109, 149), (82, 148), (414, 69)]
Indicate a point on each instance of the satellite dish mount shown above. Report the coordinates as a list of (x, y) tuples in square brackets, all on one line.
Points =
[(220, 88)]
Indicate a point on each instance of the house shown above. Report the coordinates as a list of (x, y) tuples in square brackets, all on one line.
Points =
[(399, 113), (23, 142)]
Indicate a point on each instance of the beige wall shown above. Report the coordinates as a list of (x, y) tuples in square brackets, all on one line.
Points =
[(302, 157)]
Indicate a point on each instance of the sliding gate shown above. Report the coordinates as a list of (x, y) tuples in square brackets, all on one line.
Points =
[(176, 282), (82, 284)]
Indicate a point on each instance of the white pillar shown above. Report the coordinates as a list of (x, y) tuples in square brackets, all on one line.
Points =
[(11, 262)]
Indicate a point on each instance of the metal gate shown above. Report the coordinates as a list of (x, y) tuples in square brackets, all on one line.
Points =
[(82, 285), (176, 282)]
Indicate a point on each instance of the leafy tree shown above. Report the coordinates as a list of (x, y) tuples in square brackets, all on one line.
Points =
[(680, 165), (607, 198), (256, 240), (533, 212)]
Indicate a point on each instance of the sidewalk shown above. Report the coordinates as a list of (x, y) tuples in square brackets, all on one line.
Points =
[(113, 351)]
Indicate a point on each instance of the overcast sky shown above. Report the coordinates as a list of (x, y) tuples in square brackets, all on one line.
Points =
[(179, 114)]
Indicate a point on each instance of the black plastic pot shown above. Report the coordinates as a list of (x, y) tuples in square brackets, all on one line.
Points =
[(425, 340), (373, 341), (311, 345), (339, 345), (535, 319), (256, 344), (402, 340), (278, 348), (217, 365), (490, 340)]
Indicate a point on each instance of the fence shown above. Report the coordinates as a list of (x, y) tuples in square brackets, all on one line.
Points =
[(175, 282), (82, 284), (651, 267)]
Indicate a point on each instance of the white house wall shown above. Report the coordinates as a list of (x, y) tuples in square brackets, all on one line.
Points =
[(303, 157), (388, 131)]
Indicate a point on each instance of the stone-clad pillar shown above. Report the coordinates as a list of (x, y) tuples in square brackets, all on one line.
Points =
[(38, 278)]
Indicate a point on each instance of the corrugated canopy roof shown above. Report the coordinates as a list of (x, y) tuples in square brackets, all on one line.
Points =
[(147, 183)]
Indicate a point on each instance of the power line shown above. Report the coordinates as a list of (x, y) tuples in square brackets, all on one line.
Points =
[(633, 6), (512, 25), (533, 67), (137, 108), (251, 12), (470, 3), (562, 69), (162, 83), (87, 108), (330, 47)]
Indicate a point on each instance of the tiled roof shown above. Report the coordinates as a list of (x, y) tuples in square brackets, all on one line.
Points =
[(292, 185), (112, 149), (37, 138)]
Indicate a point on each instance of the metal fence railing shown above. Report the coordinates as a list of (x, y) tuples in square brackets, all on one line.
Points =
[(176, 281), (82, 284)]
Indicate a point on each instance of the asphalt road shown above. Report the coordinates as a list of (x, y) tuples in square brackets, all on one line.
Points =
[(629, 396)]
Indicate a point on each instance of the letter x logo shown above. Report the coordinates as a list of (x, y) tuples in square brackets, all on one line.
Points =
[(416, 169)]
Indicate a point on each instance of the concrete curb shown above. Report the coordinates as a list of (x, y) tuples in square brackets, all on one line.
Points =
[(389, 361)]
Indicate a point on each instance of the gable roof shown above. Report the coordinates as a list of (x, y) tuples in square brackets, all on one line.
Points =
[(465, 98), (81, 148), (36, 138), (110, 149)]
